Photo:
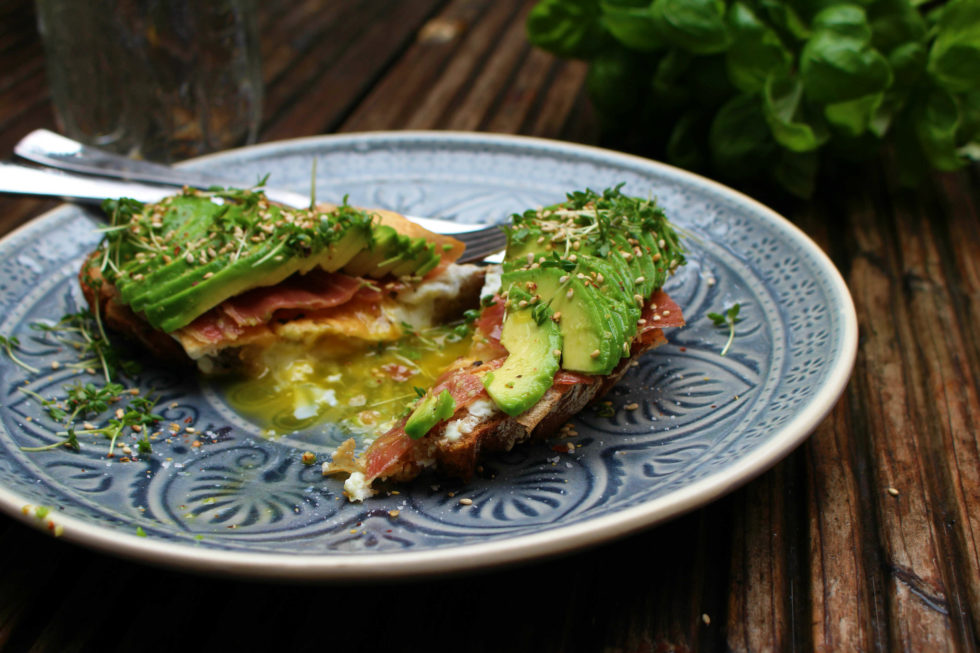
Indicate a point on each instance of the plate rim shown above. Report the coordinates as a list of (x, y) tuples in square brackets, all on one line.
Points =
[(521, 548)]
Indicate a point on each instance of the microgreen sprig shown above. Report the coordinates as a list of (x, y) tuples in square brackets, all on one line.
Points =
[(728, 319), (9, 345)]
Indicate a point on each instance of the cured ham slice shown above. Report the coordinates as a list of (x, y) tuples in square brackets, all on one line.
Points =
[(312, 291), (315, 291)]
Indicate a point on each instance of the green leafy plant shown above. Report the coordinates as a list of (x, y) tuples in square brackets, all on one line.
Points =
[(728, 320), (750, 89)]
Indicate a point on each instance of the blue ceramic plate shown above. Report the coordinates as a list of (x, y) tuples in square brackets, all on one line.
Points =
[(244, 505)]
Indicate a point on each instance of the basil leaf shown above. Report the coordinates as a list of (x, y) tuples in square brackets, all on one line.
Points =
[(685, 144), (669, 76), (785, 19), (854, 117), (740, 139), (895, 23), (756, 50), (630, 23), (954, 60), (697, 26), (784, 111), (937, 121), (838, 62), (614, 82), (568, 28)]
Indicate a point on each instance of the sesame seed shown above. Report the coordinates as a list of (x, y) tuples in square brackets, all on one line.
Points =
[(556, 352), (189, 258), (661, 243), (639, 280), (595, 354), (394, 513), (632, 406), (893, 491), (570, 293), (466, 501), (522, 303), (208, 275), (656, 317)]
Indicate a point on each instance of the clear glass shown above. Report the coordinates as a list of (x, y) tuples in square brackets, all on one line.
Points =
[(157, 79)]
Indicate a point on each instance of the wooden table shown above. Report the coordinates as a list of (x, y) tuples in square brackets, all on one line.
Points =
[(865, 538)]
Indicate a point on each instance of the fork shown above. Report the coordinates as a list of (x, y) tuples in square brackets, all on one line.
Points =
[(55, 151)]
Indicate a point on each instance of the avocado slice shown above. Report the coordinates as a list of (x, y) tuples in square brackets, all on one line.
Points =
[(533, 342), (591, 342), (429, 412)]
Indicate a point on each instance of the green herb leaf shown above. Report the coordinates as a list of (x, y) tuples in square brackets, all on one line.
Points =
[(631, 24), (839, 63), (697, 26), (9, 345), (954, 59), (568, 28), (756, 51), (785, 112), (728, 319)]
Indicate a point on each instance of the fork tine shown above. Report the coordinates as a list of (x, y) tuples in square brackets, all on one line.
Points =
[(481, 243)]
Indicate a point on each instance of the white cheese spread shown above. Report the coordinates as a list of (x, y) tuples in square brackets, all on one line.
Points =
[(476, 412)]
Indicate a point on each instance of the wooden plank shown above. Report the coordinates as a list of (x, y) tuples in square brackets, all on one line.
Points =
[(335, 92), (514, 106), (26, 95), (949, 403), (18, 26), (413, 77), (15, 211), (756, 618), (472, 111), (555, 110), (435, 108), (302, 43), (887, 384)]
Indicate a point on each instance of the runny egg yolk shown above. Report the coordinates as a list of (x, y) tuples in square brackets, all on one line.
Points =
[(364, 387)]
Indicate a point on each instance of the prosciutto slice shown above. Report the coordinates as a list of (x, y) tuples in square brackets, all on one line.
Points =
[(312, 291), (316, 290)]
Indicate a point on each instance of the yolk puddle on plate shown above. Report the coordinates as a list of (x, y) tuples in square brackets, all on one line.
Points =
[(364, 389)]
